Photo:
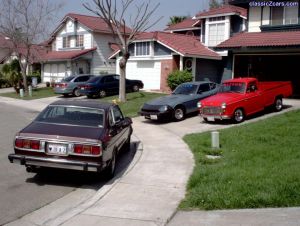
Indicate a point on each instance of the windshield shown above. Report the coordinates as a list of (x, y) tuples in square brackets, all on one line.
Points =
[(232, 87), (186, 89), (70, 115), (68, 79)]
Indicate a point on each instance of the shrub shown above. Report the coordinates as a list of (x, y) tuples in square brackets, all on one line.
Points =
[(177, 77)]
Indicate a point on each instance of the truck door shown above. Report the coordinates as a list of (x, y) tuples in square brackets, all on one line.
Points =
[(253, 100)]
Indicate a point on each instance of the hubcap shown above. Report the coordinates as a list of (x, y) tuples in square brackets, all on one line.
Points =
[(178, 113), (238, 115), (102, 93), (76, 93), (278, 104), (135, 88)]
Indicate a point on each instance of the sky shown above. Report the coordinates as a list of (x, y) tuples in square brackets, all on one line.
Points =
[(167, 8)]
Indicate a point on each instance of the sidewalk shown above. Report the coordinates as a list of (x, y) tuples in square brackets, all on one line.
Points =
[(150, 190)]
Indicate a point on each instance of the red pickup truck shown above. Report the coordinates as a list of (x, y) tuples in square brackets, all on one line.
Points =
[(238, 98)]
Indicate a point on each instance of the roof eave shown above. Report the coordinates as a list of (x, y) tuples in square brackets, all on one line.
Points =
[(222, 14)]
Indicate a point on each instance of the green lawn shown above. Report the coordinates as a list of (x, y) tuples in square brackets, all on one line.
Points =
[(36, 94), (134, 101), (259, 167)]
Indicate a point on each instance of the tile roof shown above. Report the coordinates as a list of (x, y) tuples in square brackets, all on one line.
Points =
[(185, 45), (65, 55), (262, 39), (226, 9), (185, 24), (94, 23)]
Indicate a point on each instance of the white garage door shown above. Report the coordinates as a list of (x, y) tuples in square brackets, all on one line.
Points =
[(147, 71)]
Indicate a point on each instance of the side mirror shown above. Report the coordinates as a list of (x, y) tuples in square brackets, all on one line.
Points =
[(127, 121)]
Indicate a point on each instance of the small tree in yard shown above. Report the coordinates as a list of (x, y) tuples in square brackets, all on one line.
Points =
[(25, 22), (11, 73), (177, 77), (116, 16)]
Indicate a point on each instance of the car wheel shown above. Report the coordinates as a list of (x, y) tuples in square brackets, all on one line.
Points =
[(111, 168), (238, 115), (135, 88), (102, 93), (278, 104), (179, 114), (205, 120), (76, 92)]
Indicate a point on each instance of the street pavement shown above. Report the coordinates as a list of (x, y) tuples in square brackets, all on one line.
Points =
[(149, 190)]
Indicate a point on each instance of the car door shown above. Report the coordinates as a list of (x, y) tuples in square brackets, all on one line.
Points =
[(121, 132), (111, 84), (253, 100)]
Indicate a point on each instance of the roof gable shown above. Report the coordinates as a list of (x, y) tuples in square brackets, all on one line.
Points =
[(224, 10)]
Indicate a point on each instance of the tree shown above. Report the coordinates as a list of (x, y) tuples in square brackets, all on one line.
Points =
[(176, 19), (25, 22), (214, 4), (11, 73), (117, 18)]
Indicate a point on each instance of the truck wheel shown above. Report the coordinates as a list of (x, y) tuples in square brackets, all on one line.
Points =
[(102, 93), (278, 104), (238, 115), (111, 168), (179, 114), (135, 88)]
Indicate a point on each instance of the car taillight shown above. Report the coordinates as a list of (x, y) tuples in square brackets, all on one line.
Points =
[(27, 144), (87, 149)]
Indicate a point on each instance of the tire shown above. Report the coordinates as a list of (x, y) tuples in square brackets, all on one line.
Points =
[(102, 93), (111, 168), (238, 115), (205, 120), (76, 92), (135, 88), (278, 104), (179, 114)]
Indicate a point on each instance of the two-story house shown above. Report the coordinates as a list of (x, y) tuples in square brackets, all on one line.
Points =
[(79, 45), (186, 45), (270, 49)]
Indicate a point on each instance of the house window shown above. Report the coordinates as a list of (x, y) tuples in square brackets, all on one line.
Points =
[(66, 42), (79, 40), (142, 48), (218, 18), (216, 34), (284, 15)]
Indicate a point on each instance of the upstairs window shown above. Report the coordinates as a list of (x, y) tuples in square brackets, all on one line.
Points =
[(79, 40), (218, 18), (284, 15), (216, 34), (142, 48), (66, 42)]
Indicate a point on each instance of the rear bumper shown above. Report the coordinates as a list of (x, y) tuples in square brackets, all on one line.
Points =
[(54, 163)]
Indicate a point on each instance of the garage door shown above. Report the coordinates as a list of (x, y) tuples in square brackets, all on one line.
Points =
[(147, 71)]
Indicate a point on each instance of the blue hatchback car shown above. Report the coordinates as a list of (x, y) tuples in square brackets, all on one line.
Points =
[(101, 86)]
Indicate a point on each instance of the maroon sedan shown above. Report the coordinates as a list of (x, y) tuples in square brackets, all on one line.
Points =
[(79, 135)]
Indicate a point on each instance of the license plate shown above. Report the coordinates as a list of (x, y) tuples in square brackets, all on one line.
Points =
[(210, 119), (82, 88), (57, 86), (57, 149), (154, 117)]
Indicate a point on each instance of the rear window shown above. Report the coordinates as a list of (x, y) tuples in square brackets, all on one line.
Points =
[(68, 79), (70, 115)]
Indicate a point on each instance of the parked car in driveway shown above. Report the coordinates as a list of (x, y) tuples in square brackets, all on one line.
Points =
[(182, 101), (69, 85), (80, 135), (240, 97), (101, 86)]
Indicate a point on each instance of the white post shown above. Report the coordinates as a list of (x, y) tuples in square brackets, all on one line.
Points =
[(215, 142), (30, 91), (181, 63), (21, 93)]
